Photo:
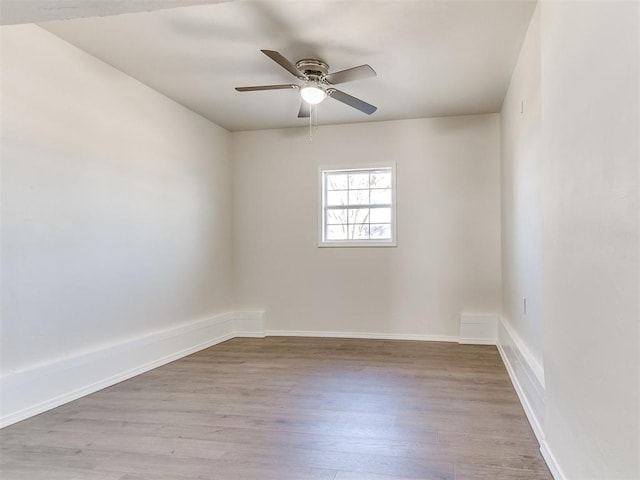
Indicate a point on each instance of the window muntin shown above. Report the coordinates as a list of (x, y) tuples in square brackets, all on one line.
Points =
[(358, 207)]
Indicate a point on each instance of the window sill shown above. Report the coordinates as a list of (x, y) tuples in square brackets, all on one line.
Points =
[(351, 244)]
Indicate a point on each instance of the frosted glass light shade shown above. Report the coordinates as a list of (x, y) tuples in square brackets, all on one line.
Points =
[(312, 94)]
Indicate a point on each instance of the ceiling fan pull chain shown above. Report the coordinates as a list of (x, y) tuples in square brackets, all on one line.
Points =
[(311, 107), (315, 112)]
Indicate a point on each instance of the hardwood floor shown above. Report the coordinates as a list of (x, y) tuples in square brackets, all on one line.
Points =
[(291, 409)]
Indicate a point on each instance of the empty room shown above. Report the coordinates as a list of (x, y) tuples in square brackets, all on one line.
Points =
[(320, 240)]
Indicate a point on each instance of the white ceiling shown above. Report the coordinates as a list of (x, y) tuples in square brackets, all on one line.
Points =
[(433, 57), (14, 12)]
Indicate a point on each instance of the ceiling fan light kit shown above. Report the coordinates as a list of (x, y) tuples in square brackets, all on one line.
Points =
[(317, 82), (313, 94)]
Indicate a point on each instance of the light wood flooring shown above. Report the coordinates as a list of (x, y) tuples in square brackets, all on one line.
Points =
[(291, 409)]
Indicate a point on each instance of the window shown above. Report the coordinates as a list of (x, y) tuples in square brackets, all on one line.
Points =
[(358, 207)]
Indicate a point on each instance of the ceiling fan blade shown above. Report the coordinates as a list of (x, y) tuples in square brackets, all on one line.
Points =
[(266, 87), (305, 110), (284, 63), (351, 74), (351, 101)]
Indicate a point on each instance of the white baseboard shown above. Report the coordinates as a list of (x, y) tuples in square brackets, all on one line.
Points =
[(376, 336), (40, 388), (527, 376), (250, 323), (478, 329), (34, 390), (552, 463)]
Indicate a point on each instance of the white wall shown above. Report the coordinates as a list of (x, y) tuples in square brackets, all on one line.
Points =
[(520, 335), (520, 175), (570, 235), (116, 205), (448, 256), (590, 236)]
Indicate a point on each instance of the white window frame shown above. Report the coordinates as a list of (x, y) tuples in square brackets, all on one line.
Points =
[(322, 208)]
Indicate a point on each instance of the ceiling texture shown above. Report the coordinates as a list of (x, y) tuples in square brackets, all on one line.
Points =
[(432, 57)]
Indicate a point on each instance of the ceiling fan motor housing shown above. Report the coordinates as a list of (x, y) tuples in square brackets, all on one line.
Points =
[(315, 70)]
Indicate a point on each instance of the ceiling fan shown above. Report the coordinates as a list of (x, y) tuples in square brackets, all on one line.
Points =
[(317, 83)]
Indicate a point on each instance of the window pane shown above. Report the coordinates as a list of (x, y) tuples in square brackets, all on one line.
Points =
[(336, 232), (380, 231), (337, 182), (381, 180), (359, 232), (358, 197), (358, 180), (336, 216), (358, 215), (336, 198), (381, 215), (381, 197)]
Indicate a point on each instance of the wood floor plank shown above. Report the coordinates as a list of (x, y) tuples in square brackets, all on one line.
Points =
[(291, 409)]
